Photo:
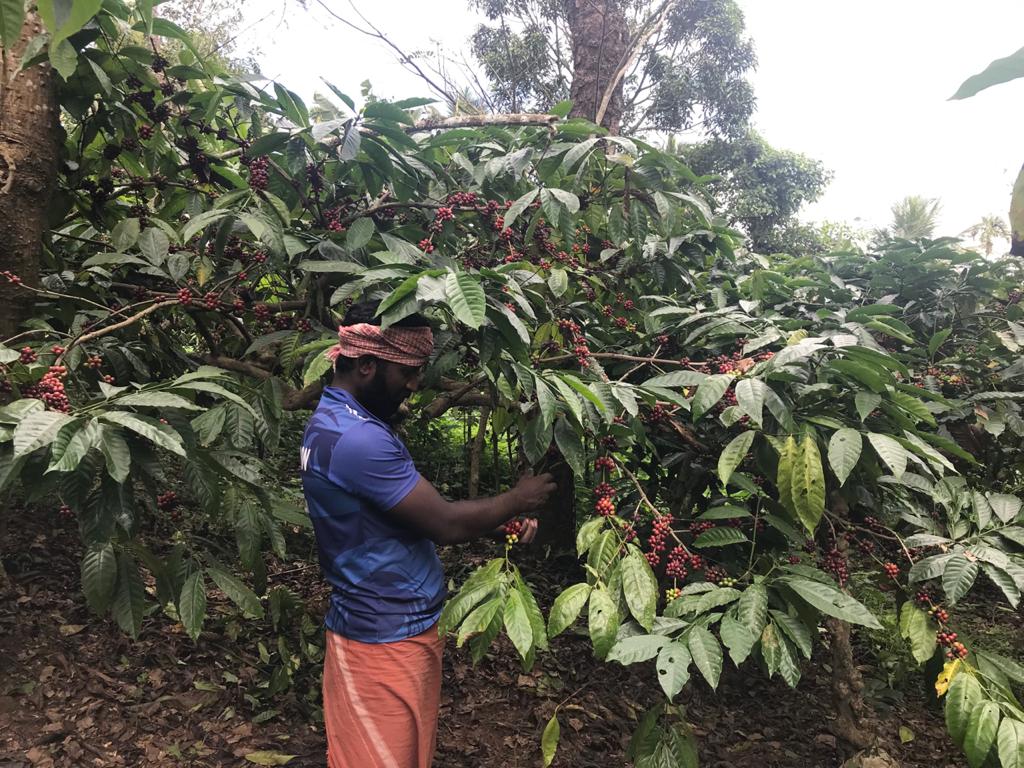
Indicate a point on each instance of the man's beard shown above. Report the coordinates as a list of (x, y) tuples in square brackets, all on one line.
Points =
[(376, 398)]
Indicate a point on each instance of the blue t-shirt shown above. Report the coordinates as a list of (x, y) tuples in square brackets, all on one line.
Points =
[(388, 582)]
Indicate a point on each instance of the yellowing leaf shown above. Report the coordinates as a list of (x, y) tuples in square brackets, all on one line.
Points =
[(264, 757), (946, 677)]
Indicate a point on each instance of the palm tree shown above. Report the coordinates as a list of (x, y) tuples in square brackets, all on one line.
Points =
[(915, 217), (987, 231)]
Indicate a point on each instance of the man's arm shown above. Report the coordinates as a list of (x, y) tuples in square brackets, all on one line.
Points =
[(453, 522)]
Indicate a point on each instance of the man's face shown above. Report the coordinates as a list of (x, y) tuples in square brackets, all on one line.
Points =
[(388, 386)]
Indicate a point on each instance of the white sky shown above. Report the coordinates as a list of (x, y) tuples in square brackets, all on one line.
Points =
[(862, 86)]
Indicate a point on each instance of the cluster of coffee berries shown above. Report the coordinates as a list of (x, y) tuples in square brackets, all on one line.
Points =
[(304, 324), (700, 526), (891, 570), (1014, 296), (575, 336), (716, 575), (145, 132), (463, 198), (605, 506), (835, 563), (259, 176), (58, 350), (262, 311), (657, 414), (672, 593), (65, 512), (941, 615), (604, 463), (211, 300), (27, 356), (50, 389), (185, 296), (793, 559), (513, 528), (11, 277), (923, 597), (94, 362), (678, 559), (332, 220), (167, 500), (946, 639), (660, 529), (427, 244), (443, 214)]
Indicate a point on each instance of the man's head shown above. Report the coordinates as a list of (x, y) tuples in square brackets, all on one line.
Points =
[(381, 368)]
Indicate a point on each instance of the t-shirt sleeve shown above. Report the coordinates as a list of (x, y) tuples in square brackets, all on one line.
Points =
[(370, 462)]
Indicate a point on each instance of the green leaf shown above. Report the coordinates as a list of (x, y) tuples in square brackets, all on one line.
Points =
[(216, 389), (831, 601), (752, 608), (603, 620), (116, 453), (640, 587), (588, 533), (359, 233), (160, 434), (517, 623), (99, 574), (570, 443), (961, 699), (1011, 591), (466, 298), (36, 430), (733, 454), (549, 740), (520, 205), (84, 437), (982, 726), (63, 58), (999, 71), (154, 244), (237, 592), (737, 638), (866, 402), (706, 654), (890, 451), (1005, 506), (1010, 743), (192, 604), (63, 19), (673, 668), (631, 650), (918, 630), (558, 282), (809, 484), (720, 537), (708, 393), (130, 598), (12, 17), (566, 608), (958, 577), (843, 452), (795, 630), (478, 619), (481, 583), (937, 340), (157, 400), (750, 396)]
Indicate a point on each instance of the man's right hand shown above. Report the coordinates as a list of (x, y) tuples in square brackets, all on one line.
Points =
[(532, 491)]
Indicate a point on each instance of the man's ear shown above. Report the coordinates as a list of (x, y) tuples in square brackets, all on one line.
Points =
[(366, 365)]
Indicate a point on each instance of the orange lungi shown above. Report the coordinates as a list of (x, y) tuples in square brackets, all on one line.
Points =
[(381, 701)]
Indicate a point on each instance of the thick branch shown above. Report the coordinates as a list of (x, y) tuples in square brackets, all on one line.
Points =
[(477, 121)]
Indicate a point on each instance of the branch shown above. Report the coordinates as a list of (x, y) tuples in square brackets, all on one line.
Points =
[(476, 121), (117, 326), (627, 359), (630, 56)]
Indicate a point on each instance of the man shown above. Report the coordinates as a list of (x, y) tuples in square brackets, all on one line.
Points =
[(376, 521)]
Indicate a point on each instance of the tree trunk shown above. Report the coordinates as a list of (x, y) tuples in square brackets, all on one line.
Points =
[(29, 148), (847, 689), (476, 453), (600, 41), (1017, 216)]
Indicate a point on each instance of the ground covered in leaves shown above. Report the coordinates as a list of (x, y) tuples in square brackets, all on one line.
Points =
[(74, 691)]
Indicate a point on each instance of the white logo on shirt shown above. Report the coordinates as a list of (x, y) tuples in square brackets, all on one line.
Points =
[(304, 453)]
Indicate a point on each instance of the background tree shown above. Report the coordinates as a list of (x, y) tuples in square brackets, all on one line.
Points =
[(685, 66), (760, 188), (914, 217), (987, 231)]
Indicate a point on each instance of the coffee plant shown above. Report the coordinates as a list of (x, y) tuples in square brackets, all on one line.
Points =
[(751, 430)]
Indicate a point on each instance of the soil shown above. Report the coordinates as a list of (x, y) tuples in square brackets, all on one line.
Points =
[(75, 691)]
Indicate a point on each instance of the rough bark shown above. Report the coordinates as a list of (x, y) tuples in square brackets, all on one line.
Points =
[(476, 453), (1017, 216), (600, 44), (29, 148), (847, 689)]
